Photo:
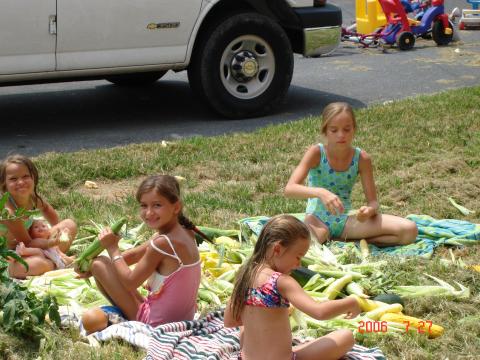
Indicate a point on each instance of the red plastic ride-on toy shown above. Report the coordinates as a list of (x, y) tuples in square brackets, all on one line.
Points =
[(403, 31)]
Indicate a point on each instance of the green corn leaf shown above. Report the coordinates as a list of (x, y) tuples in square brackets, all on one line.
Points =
[(3, 200)]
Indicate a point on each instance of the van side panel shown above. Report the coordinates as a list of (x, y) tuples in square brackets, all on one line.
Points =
[(115, 33), (25, 42)]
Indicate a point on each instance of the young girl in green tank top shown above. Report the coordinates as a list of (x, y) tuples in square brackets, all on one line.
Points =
[(331, 170)]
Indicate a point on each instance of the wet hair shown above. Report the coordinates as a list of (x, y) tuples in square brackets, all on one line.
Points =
[(282, 229), (334, 109), (168, 187), (32, 169)]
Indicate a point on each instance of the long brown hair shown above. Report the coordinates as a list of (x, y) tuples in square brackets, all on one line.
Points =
[(32, 169), (282, 229), (168, 187)]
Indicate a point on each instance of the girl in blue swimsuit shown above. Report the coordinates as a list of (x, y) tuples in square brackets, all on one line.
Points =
[(331, 170), (264, 291)]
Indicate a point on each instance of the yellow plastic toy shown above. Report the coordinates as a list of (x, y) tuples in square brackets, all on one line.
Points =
[(369, 15)]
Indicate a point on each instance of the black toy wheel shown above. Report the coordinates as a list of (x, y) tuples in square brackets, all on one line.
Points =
[(136, 79), (438, 33), (243, 67), (405, 40)]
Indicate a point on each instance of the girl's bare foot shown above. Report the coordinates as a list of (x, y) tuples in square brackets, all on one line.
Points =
[(67, 260)]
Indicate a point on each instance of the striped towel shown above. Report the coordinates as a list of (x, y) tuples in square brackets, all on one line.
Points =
[(205, 339)]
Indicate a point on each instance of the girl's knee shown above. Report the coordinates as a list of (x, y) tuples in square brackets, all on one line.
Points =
[(71, 225), (100, 266), (346, 338), (320, 231), (409, 233)]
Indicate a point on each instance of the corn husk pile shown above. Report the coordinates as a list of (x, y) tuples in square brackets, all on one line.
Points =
[(331, 278)]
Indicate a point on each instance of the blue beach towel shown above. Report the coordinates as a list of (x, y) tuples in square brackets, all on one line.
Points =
[(432, 233)]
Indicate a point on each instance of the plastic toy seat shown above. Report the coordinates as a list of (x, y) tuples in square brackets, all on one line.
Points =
[(395, 13)]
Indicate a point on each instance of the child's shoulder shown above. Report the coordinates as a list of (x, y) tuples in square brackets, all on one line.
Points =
[(313, 152), (364, 156)]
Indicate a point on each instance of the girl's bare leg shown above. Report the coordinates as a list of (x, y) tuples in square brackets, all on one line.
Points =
[(319, 229), (381, 230), (110, 285), (72, 233), (37, 265), (329, 347)]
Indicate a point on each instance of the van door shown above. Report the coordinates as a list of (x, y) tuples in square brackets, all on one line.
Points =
[(116, 33), (27, 36)]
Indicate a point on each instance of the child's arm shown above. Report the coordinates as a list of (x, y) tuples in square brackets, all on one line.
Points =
[(290, 289), (365, 169), (49, 213), (133, 256), (148, 263), (296, 189), (17, 230), (228, 319), (43, 243)]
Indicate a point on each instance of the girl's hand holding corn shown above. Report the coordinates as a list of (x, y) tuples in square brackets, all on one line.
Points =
[(365, 212), (355, 309), (108, 239), (81, 275), (331, 201)]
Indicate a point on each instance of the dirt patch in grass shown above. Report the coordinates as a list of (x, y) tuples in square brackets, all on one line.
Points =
[(111, 191)]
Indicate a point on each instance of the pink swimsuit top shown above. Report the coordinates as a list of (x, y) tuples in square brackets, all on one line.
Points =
[(172, 297), (267, 295)]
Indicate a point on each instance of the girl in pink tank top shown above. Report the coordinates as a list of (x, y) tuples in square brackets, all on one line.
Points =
[(169, 262)]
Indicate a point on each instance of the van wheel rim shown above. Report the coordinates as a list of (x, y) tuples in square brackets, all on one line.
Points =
[(247, 67)]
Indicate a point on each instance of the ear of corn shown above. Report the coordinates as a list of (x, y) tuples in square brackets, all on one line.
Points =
[(95, 248), (368, 305), (354, 288), (364, 250), (64, 236), (334, 289), (377, 313), (427, 327)]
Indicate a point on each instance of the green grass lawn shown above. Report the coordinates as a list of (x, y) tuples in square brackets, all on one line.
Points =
[(424, 150)]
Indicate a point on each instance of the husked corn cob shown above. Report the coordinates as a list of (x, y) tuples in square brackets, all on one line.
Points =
[(377, 313), (334, 289), (364, 250), (431, 330), (367, 304)]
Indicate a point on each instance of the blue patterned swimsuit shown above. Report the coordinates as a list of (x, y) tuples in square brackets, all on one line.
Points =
[(267, 295), (338, 182)]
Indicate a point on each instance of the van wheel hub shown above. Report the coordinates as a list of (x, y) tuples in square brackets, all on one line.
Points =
[(244, 66)]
